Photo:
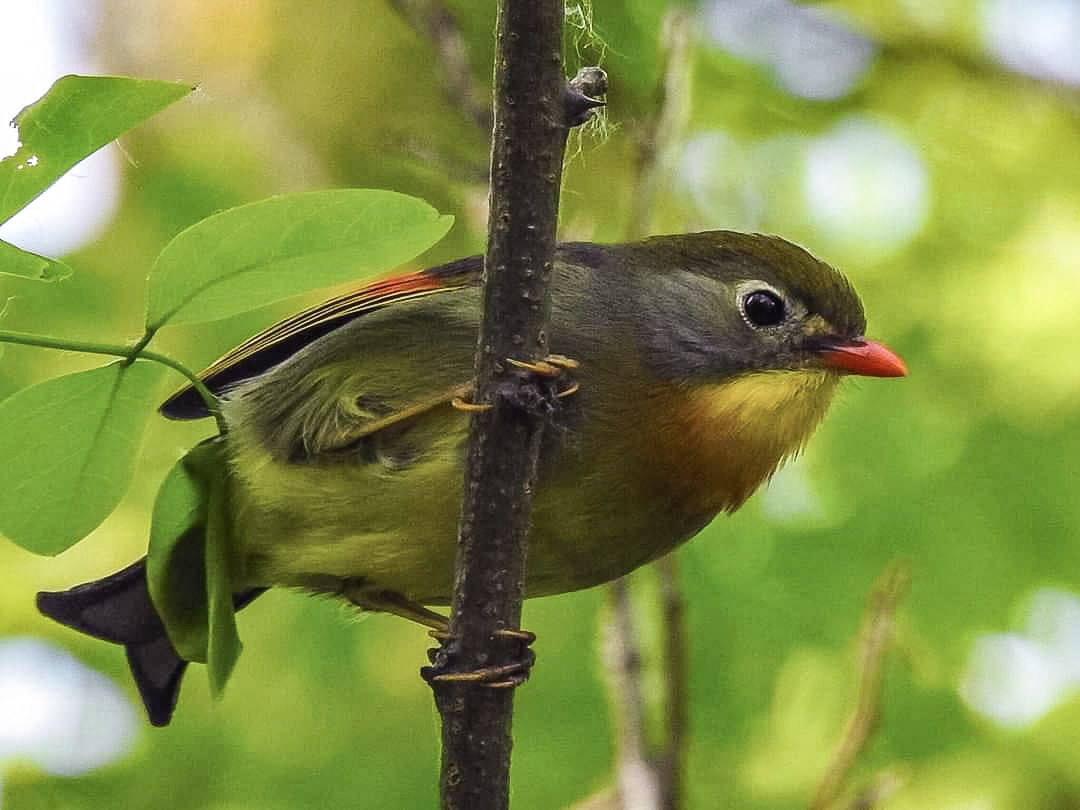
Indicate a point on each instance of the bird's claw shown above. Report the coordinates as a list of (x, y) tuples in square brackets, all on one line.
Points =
[(501, 677), (552, 366), (526, 637), (570, 389), (462, 404), (504, 676)]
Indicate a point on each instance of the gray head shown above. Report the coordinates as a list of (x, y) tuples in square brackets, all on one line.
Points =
[(718, 304)]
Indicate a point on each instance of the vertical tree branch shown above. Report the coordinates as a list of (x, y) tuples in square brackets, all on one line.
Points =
[(533, 112)]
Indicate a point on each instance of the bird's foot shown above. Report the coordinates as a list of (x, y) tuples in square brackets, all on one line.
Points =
[(503, 676), (550, 367)]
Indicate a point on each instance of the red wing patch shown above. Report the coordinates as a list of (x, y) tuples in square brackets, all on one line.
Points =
[(351, 304), (283, 339)]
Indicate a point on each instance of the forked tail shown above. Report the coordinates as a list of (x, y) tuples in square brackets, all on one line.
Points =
[(118, 609)]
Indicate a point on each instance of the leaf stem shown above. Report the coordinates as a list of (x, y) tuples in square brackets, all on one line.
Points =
[(207, 395), (129, 353)]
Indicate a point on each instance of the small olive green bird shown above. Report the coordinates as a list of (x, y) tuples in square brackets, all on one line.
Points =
[(703, 361)]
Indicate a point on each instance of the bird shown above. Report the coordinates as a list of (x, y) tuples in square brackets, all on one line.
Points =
[(695, 364)]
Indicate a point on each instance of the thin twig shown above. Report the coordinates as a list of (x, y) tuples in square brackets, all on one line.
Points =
[(644, 779), (876, 632), (435, 21), (884, 785), (676, 681), (136, 351), (664, 128), (636, 780)]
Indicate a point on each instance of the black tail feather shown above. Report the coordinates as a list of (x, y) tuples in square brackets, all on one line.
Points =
[(157, 671), (118, 609)]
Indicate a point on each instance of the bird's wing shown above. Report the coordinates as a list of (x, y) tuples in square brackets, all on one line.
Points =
[(280, 341)]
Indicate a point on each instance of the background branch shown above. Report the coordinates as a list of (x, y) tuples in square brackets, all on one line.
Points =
[(876, 634), (671, 758), (436, 22), (646, 779), (637, 783), (669, 113)]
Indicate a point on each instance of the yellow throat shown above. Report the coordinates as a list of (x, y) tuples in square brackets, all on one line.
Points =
[(716, 443)]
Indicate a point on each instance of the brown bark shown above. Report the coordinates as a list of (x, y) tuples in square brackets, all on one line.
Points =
[(534, 109)]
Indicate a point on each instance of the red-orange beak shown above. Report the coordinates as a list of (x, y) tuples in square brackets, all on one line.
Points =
[(865, 357)]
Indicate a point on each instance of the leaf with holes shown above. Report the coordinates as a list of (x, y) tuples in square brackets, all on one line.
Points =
[(75, 118)]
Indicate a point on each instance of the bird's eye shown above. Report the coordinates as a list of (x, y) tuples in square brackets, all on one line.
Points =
[(763, 308)]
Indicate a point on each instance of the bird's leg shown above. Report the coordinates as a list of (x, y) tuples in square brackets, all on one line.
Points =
[(394, 603), (501, 677)]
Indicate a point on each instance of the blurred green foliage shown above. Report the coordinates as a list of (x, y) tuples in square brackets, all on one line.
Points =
[(967, 469)]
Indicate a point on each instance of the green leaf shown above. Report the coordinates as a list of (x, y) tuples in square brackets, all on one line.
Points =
[(68, 447), (78, 116), (187, 565), (175, 561), (259, 253), (17, 262), (224, 641)]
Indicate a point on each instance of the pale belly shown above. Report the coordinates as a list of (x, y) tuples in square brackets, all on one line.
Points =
[(316, 527), (386, 515)]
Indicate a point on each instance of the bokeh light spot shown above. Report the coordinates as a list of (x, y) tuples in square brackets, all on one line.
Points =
[(1016, 678), (812, 54), (59, 713), (865, 188), (1035, 37)]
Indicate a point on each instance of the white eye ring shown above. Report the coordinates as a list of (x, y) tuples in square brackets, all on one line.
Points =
[(761, 305)]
